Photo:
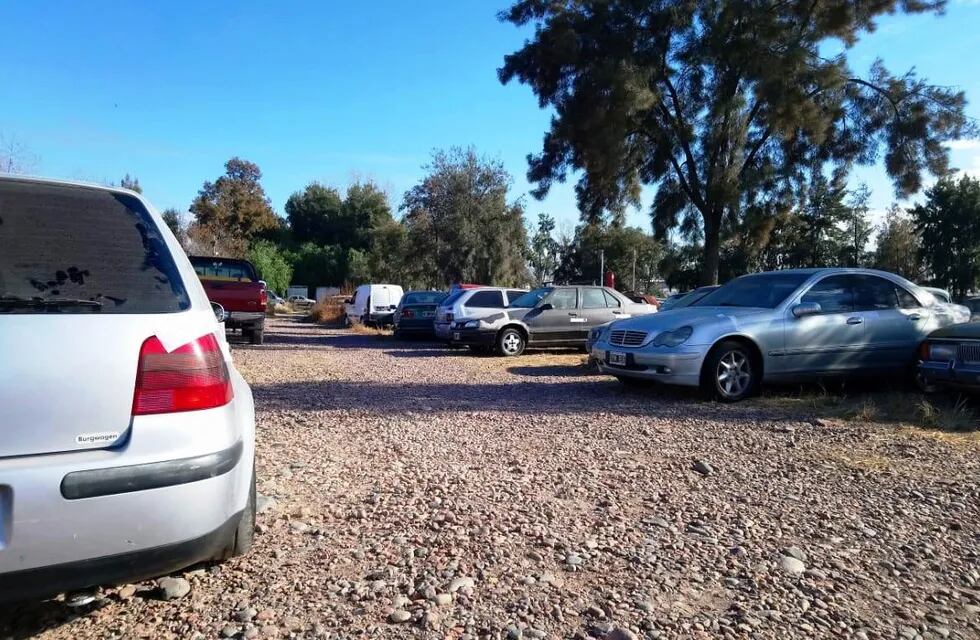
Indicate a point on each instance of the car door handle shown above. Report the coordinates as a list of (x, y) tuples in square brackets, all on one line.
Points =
[(855, 320), (915, 317), (573, 314)]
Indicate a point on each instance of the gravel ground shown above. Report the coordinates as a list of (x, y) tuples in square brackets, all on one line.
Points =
[(411, 491)]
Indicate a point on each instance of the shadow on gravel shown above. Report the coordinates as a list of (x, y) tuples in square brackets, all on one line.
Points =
[(553, 370), (581, 395), (29, 619)]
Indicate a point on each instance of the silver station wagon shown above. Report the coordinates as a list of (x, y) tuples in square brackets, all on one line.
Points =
[(780, 325)]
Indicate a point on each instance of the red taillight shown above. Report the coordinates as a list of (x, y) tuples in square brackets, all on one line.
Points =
[(263, 299), (408, 313), (924, 351), (188, 378)]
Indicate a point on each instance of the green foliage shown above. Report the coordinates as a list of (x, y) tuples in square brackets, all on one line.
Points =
[(232, 210), (272, 265), (388, 258), (318, 214), (949, 224), (899, 246), (133, 184), (172, 218), (358, 267), (544, 255), (460, 226), (622, 249), (315, 265), (722, 107)]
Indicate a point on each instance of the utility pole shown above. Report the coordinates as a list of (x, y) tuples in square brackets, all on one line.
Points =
[(602, 266), (634, 269)]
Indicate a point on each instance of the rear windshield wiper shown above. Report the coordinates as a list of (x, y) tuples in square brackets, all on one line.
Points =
[(18, 302)]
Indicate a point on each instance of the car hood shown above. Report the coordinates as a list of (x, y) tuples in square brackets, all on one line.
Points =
[(966, 331), (692, 317)]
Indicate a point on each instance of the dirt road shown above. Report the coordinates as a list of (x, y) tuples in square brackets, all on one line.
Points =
[(411, 491)]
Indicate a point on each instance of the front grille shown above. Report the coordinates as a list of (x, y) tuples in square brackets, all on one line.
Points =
[(627, 338), (968, 353)]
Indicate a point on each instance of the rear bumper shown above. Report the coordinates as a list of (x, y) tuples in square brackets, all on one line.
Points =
[(175, 481), (442, 330), (680, 368), (414, 326), (116, 569), (244, 318), (955, 374)]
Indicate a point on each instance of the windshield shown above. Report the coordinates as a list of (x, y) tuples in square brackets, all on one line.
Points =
[(67, 249), (531, 298), (690, 298), (424, 297), (761, 290)]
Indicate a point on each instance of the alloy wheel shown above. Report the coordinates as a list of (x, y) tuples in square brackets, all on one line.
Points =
[(511, 343), (734, 373)]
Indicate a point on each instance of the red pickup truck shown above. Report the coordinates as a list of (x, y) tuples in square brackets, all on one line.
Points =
[(234, 285)]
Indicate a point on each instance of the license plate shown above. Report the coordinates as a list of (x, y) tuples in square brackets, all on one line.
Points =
[(455, 335), (617, 358)]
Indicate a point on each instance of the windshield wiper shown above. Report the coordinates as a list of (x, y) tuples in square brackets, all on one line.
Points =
[(18, 302)]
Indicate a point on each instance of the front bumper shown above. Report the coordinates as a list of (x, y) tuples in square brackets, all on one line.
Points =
[(954, 374), (680, 367), (476, 337), (178, 482)]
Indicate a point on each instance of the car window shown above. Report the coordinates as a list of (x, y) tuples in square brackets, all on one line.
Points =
[(485, 300), (514, 294), (905, 299), (70, 249), (872, 293), (531, 298), (424, 297), (834, 294), (761, 290), (223, 269), (593, 298), (453, 297), (611, 301), (563, 298)]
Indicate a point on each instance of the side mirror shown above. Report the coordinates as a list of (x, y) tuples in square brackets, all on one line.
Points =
[(547, 306), (219, 312), (807, 309)]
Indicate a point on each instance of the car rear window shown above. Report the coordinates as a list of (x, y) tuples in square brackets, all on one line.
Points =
[(453, 297), (223, 269), (424, 297), (72, 249)]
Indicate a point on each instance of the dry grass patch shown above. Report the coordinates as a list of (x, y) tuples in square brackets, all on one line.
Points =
[(328, 311), (365, 330)]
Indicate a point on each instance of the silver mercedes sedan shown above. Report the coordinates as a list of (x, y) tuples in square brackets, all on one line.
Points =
[(780, 325)]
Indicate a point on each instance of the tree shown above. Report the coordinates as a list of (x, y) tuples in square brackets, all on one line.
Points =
[(623, 250), (949, 224), (133, 184), (315, 265), (388, 256), (271, 264), (233, 209), (318, 214), (899, 246), (543, 257), (172, 217), (461, 227), (857, 229), (15, 156), (720, 106)]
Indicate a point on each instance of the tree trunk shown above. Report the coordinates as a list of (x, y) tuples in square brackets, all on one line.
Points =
[(712, 248)]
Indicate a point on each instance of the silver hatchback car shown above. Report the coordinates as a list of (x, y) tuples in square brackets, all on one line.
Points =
[(778, 325), (128, 435)]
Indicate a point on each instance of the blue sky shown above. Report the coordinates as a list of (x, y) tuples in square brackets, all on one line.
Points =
[(325, 91)]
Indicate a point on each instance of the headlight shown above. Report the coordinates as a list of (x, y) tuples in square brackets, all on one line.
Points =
[(471, 324), (673, 338), (940, 351)]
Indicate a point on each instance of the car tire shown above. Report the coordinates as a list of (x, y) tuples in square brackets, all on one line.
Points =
[(511, 342), (257, 335), (241, 541), (731, 372)]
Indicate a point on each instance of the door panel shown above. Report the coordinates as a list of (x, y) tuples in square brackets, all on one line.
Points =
[(832, 341), (893, 333), (562, 323)]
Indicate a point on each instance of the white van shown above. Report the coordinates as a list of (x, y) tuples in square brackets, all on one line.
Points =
[(373, 304)]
